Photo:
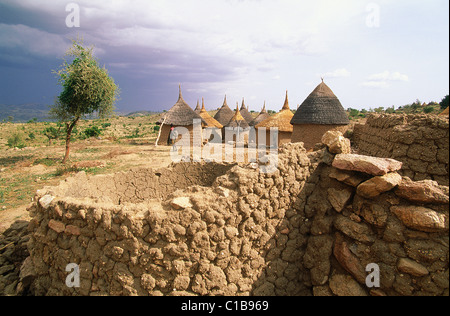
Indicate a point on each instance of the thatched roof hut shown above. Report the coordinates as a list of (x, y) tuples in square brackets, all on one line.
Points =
[(225, 114), (245, 113), (320, 112), (181, 114), (263, 115), (210, 121), (238, 120), (321, 107), (281, 120)]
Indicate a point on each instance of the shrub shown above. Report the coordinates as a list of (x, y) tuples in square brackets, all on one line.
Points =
[(16, 140), (93, 131)]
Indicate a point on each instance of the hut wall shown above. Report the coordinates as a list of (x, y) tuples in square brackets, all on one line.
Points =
[(311, 134), (283, 138), (165, 132)]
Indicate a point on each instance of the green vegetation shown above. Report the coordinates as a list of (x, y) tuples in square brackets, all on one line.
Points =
[(87, 89)]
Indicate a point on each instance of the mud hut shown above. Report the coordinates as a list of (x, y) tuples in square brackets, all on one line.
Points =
[(263, 115), (281, 121), (320, 112), (180, 115), (237, 126), (245, 113), (225, 114), (212, 129)]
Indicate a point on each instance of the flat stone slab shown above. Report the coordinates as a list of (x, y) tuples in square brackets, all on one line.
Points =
[(425, 191), (371, 165), (379, 184), (421, 218)]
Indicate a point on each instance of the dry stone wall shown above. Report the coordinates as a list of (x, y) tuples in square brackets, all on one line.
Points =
[(421, 142), (310, 228)]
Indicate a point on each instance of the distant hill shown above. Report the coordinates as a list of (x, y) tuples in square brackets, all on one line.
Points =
[(141, 113), (24, 112)]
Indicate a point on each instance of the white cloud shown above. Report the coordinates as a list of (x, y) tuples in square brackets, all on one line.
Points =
[(382, 80), (388, 76), (338, 73)]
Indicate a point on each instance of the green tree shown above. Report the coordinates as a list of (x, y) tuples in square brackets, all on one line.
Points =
[(87, 89), (52, 133), (445, 102)]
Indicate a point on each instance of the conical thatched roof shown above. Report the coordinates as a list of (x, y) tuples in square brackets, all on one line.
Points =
[(263, 115), (245, 113), (321, 107), (180, 114), (238, 120), (445, 112), (225, 114), (210, 121), (281, 120), (197, 108)]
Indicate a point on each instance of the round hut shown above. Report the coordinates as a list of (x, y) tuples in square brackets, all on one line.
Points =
[(320, 112), (225, 114), (180, 115), (238, 127), (282, 121), (245, 113), (444, 113), (212, 126), (263, 115)]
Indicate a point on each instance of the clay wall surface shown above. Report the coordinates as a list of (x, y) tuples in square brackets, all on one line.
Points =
[(421, 142), (312, 134), (310, 228)]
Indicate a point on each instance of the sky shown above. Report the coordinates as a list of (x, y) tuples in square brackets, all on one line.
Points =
[(372, 54)]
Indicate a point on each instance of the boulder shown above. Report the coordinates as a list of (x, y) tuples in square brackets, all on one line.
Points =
[(426, 191), (377, 185), (366, 164), (336, 142), (421, 218)]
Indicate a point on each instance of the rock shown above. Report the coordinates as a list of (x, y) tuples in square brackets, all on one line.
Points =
[(72, 230), (336, 142), (370, 165), (421, 218), (411, 267), (339, 198), (27, 272), (56, 226), (348, 177), (426, 191), (345, 285), (358, 231), (348, 260), (181, 203), (377, 185), (45, 201)]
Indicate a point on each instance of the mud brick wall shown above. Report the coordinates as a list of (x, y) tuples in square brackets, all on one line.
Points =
[(310, 228), (239, 236), (421, 142)]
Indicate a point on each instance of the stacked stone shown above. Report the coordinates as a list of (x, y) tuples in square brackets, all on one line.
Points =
[(421, 142), (364, 212)]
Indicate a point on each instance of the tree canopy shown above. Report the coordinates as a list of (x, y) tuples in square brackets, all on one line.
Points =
[(87, 89)]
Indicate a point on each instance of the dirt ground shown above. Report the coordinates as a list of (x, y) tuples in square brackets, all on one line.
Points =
[(127, 143)]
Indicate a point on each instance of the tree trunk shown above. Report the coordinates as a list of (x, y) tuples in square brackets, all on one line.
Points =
[(68, 136)]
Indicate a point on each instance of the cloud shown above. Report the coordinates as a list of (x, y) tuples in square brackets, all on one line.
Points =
[(338, 73), (382, 80)]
